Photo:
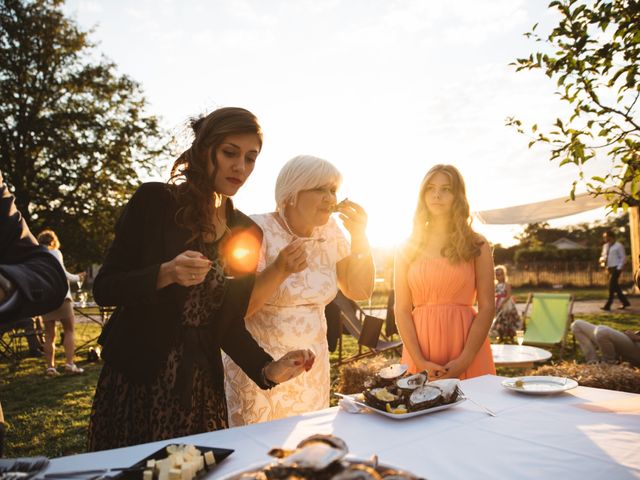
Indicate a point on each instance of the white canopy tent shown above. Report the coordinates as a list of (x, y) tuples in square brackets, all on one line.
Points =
[(558, 208), (540, 211)]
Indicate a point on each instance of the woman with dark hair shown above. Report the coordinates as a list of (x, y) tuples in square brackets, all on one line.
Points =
[(444, 268), (64, 314), (180, 272)]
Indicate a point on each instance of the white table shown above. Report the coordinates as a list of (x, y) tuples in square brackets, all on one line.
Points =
[(522, 356), (532, 437)]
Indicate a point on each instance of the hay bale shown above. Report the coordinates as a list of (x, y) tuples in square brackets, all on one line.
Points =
[(622, 377), (352, 375)]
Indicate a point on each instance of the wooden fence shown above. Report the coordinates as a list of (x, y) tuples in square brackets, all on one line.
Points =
[(543, 274), (566, 274)]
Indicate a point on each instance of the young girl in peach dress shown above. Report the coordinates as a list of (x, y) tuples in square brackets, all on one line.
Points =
[(443, 270)]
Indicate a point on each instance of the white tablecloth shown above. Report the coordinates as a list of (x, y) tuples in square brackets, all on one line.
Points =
[(532, 437)]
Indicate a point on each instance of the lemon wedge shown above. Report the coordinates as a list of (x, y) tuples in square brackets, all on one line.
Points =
[(399, 410), (384, 395)]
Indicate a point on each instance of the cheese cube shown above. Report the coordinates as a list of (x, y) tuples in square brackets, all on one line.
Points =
[(209, 458)]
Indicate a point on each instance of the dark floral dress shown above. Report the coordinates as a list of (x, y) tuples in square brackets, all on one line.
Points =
[(183, 399)]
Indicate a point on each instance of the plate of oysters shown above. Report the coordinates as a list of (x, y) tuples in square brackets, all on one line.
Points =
[(394, 393), (320, 457)]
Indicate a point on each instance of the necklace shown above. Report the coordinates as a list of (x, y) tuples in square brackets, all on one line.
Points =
[(290, 231)]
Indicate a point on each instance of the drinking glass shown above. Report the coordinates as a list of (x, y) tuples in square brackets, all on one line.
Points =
[(520, 337), (82, 298)]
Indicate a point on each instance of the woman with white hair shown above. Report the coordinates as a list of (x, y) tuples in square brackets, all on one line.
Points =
[(305, 257)]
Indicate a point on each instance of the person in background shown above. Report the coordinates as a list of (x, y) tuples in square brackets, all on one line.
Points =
[(305, 257), (507, 319), (64, 314), (180, 272), (613, 258), (612, 344), (31, 280), (444, 267)]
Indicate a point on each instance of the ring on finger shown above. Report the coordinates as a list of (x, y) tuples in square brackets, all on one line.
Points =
[(193, 277)]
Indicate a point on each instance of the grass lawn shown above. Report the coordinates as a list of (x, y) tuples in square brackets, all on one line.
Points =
[(49, 416)]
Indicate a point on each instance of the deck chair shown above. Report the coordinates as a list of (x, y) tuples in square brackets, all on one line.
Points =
[(12, 346), (366, 328), (550, 318)]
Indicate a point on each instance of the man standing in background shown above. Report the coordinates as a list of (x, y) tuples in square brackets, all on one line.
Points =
[(613, 258)]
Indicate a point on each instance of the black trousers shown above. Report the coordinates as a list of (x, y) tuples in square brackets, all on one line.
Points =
[(614, 288)]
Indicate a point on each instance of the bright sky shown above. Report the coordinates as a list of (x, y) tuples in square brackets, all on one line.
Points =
[(383, 89)]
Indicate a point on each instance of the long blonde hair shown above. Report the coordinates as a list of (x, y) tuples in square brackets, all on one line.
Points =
[(464, 243)]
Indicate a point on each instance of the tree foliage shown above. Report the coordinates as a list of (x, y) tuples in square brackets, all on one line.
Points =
[(74, 135), (593, 54)]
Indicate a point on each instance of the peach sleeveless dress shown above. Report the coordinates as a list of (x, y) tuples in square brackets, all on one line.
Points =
[(443, 295)]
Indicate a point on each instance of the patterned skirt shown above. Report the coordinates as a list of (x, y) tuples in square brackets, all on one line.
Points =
[(126, 413)]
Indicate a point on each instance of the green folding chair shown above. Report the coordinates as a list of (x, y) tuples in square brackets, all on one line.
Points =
[(551, 316)]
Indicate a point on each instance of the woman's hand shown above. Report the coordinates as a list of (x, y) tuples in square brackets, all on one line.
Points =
[(456, 367), (187, 269), (290, 365), (292, 258), (353, 216), (433, 369)]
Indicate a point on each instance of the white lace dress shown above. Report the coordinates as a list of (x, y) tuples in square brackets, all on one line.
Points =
[(292, 318)]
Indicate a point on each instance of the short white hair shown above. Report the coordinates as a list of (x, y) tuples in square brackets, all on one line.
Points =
[(304, 172)]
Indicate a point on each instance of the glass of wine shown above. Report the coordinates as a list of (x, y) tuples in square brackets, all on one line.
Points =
[(82, 298), (520, 337)]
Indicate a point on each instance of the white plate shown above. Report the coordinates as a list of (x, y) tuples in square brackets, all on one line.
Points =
[(540, 385), (402, 416)]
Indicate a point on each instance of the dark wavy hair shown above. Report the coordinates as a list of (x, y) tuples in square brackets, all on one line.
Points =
[(464, 243), (197, 200)]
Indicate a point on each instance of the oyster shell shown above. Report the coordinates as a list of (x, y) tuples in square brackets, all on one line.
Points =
[(332, 440), (306, 461), (449, 387), (410, 383), (423, 397), (358, 471), (391, 373), (314, 456), (380, 397), (314, 453)]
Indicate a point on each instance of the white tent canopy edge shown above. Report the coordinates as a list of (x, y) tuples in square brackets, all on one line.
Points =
[(540, 211), (558, 208)]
